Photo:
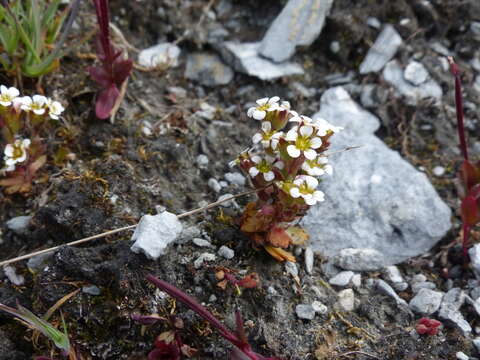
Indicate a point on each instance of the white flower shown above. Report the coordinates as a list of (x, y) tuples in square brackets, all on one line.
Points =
[(268, 137), (265, 166), (306, 187), (16, 153), (317, 166), (300, 118), (305, 142), (324, 126), (36, 104), (264, 105), (7, 95), (55, 109)]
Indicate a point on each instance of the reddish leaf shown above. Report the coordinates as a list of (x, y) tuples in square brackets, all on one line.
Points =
[(250, 281), (469, 211), (122, 70), (106, 101), (100, 75), (278, 237), (470, 174)]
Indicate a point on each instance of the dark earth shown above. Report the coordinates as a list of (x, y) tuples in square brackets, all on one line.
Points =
[(118, 174)]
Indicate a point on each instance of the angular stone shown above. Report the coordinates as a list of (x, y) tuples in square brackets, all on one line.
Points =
[(299, 24), (415, 73), (244, 58), (359, 259), (386, 289), (474, 253), (346, 300), (342, 278), (392, 274), (305, 311), (19, 224), (382, 51), (208, 69), (226, 252), (308, 259), (374, 198), (161, 55), (450, 310), (154, 233), (426, 302), (202, 258), (393, 73), (423, 285)]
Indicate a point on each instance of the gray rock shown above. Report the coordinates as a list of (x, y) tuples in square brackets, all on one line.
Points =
[(374, 22), (382, 51), (401, 286), (188, 234), (202, 243), (386, 289), (161, 55), (244, 58), (309, 260), (154, 233), (450, 310), (393, 74), (438, 171), (227, 203), (474, 253), (342, 278), (319, 307), (374, 199), (426, 302), (359, 259), (206, 111), (356, 280), (91, 290), (208, 69), (475, 293), (14, 278), (226, 252), (202, 161), (305, 311), (392, 274), (198, 263), (235, 178), (346, 300), (476, 343), (291, 268), (299, 24), (37, 263), (415, 73), (19, 224), (423, 285), (418, 278), (461, 356), (214, 185)]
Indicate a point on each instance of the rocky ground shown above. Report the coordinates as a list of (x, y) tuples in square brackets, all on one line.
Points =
[(378, 68)]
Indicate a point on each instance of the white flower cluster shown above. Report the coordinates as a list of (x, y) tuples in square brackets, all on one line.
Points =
[(293, 158), (38, 104), (15, 153)]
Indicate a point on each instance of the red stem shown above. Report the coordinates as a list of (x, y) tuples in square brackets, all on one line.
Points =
[(459, 107)]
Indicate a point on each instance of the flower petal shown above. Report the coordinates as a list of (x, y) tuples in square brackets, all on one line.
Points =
[(293, 151), (269, 176), (319, 195), (3, 89), (262, 101), (279, 165), (250, 111), (8, 150), (310, 154), (13, 92), (259, 114), (292, 134), (273, 100), (257, 138), (306, 130), (256, 159), (315, 143), (253, 171), (266, 126), (312, 183), (295, 192), (328, 169)]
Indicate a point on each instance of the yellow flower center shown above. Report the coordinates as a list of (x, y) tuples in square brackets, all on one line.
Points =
[(17, 152), (303, 143), (263, 166)]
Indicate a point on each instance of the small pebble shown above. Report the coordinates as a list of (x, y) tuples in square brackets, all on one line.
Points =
[(202, 161), (202, 258), (461, 356), (212, 298), (305, 311), (214, 185), (271, 290), (19, 224), (202, 243), (319, 307), (419, 278), (438, 171), (346, 300), (226, 252), (91, 290), (227, 203), (235, 178), (12, 276), (342, 278), (476, 343), (356, 280), (392, 274), (422, 285), (309, 260), (291, 268), (401, 286)]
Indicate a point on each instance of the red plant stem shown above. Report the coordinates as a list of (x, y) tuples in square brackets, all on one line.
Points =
[(195, 306), (459, 107), (103, 18), (466, 232)]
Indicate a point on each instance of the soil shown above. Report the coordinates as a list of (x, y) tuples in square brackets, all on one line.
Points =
[(119, 174)]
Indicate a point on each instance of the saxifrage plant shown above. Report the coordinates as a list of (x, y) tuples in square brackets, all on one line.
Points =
[(24, 121), (284, 165), (113, 71)]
